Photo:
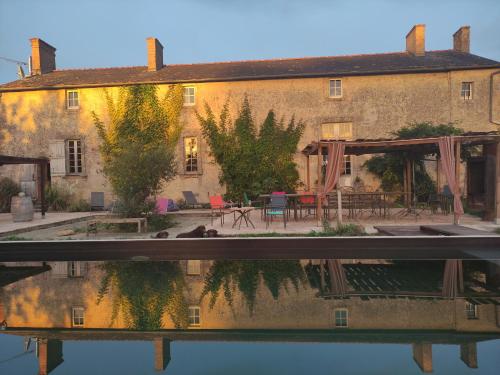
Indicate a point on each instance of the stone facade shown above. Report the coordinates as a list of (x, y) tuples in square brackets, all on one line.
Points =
[(375, 105)]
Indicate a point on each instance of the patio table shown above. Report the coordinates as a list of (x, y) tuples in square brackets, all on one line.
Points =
[(243, 214)]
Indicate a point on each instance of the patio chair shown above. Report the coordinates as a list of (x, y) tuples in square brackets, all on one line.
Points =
[(307, 202), (164, 205), (218, 206), (190, 199), (276, 207)]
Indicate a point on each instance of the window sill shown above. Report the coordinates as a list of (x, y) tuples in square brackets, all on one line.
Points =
[(335, 98), (190, 174), (75, 176)]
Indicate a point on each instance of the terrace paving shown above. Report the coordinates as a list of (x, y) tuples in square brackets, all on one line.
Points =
[(58, 225)]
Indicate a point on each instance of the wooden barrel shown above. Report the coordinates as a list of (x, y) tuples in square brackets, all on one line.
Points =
[(21, 208)]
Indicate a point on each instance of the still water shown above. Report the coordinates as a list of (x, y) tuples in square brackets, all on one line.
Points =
[(250, 317)]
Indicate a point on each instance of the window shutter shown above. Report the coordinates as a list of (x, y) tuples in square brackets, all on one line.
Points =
[(59, 269), (57, 151)]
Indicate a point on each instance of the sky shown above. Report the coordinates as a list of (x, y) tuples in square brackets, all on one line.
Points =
[(106, 33)]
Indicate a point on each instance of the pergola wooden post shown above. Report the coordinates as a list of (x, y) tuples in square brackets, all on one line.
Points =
[(308, 174), (456, 219), (319, 189)]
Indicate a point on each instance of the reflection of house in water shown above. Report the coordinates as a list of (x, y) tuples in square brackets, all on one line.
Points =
[(62, 305)]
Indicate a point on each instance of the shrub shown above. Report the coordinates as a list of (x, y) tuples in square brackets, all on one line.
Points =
[(8, 189), (58, 197), (338, 231), (80, 205), (158, 222)]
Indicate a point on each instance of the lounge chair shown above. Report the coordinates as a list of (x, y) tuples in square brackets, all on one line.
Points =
[(190, 199), (276, 207)]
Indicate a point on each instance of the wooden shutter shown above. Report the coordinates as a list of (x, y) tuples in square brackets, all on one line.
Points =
[(57, 151)]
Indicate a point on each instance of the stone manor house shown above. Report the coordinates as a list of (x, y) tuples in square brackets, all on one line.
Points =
[(48, 113)]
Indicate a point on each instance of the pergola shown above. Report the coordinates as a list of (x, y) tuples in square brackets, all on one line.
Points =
[(491, 150), (42, 162)]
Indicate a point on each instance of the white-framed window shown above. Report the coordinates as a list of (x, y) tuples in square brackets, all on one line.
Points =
[(193, 267), (189, 95), (75, 269), (341, 318), (466, 91), (72, 99), (335, 88), (470, 310), (191, 154), (74, 156), (77, 316), (194, 315)]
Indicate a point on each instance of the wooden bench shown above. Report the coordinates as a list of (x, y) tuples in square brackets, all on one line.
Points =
[(140, 221)]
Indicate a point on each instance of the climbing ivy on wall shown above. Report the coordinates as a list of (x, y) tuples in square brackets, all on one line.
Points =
[(245, 276), (253, 160), (143, 292), (138, 142)]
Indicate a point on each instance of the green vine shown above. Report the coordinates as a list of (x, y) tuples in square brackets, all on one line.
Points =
[(252, 160), (245, 276), (143, 292)]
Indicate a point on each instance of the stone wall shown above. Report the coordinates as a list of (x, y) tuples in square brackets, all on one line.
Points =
[(376, 106)]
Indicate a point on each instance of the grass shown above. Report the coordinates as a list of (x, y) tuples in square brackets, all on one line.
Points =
[(338, 231), (497, 230), (14, 237)]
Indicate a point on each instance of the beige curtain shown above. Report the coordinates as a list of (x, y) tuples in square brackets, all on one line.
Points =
[(448, 165), (338, 281), (334, 165), (452, 278)]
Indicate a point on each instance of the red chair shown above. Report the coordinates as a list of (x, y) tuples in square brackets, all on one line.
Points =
[(307, 202), (218, 205)]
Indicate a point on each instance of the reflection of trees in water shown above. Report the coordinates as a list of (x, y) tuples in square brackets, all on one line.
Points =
[(144, 291), (245, 275)]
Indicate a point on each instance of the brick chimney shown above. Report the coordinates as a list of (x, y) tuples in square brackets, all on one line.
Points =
[(415, 40), (155, 54), (43, 57), (461, 39)]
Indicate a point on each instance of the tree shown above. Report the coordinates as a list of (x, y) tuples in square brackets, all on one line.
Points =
[(390, 167), (138, 144), (252, 161)]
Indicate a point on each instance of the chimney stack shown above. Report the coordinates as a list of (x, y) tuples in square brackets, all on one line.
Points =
[(155, 54), (461, 40), (415, 40), (43, 57)]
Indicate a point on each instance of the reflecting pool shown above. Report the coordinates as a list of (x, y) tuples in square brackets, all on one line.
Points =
[(318, 316)]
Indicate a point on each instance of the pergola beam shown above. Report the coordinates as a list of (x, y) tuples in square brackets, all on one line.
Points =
[(42, 162)]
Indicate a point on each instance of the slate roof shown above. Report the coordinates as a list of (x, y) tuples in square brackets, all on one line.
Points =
[(374, 64)]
